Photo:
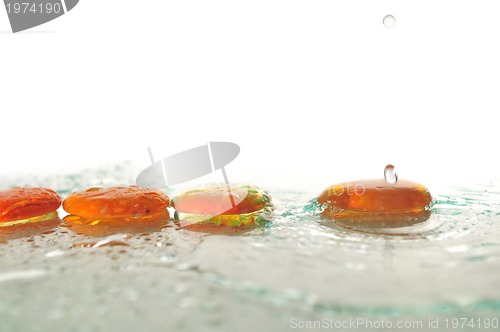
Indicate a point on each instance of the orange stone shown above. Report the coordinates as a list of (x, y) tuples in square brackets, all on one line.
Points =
[(116, 203), (214, 205), (376, 200), (22, 205), (211, 201)]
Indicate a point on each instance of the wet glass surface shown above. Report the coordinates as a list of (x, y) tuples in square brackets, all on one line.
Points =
[(299, 267)]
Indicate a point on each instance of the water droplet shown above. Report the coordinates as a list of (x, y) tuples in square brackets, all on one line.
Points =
[(187, 267), (112, 240), (390, 174), (457, 249), (20, 275), (389, 21), (169, 258), (54, 253)]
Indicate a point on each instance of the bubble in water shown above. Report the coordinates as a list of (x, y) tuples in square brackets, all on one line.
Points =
[(390, 174), (389, 21)]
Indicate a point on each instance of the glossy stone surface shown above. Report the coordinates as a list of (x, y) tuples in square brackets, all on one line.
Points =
[(124, 204), (376, 200), (214, 205), (23, 205)]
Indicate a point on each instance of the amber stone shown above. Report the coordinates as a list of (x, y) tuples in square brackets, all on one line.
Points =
[(376, 199), (240, 205), (22, 205), (117, 204)]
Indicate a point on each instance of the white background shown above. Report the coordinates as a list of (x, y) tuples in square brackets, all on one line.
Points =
[(312, 91)]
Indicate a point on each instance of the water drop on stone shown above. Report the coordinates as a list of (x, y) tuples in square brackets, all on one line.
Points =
[(390, 174)]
